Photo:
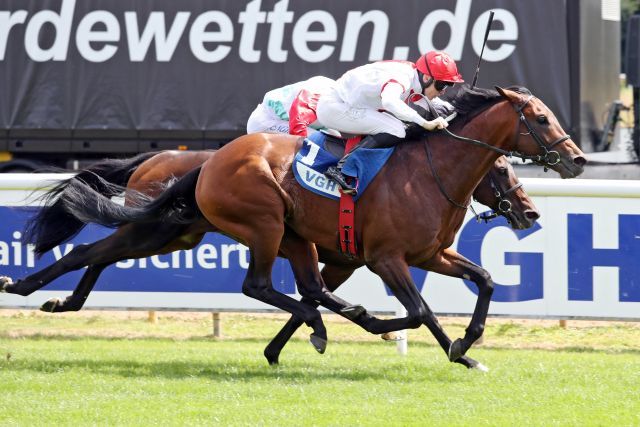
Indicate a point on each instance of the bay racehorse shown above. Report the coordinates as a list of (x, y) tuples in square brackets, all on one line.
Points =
[(248, 192), (499, 189)]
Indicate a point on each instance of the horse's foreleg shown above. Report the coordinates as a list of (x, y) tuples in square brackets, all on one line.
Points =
[(333, 277), (431, 322), (451, 263)]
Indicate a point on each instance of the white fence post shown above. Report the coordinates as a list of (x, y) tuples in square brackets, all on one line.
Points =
[(402, 345)]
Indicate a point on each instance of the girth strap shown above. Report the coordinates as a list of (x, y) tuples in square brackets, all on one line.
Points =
[(346, 217)]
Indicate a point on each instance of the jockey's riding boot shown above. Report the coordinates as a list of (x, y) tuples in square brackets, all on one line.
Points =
[(380, 140), (335, 173)]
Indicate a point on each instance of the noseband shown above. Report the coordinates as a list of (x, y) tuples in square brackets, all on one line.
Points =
[(504, 204), (549, 157)]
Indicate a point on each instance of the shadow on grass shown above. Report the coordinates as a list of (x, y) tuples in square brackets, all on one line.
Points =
[(260, 341), (232, 370)]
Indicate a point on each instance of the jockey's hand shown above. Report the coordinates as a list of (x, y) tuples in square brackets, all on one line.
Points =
[(437, 123)]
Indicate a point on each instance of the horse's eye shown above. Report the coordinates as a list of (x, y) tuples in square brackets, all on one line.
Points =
[(503, 171), (542, 119)]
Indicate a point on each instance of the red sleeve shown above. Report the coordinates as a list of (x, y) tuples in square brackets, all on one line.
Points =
[(303, 112)]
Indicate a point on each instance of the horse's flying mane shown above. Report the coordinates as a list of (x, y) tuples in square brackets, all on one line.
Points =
[(468, 101)]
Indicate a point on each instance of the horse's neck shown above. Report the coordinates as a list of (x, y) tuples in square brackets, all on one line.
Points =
[(460, 165)]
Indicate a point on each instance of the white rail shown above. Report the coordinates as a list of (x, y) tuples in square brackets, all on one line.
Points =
[(552, 187)]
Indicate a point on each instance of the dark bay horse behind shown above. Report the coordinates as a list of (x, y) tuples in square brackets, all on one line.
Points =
[(247, 191)]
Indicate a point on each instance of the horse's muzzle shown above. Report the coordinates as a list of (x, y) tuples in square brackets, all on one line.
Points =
[(571, 168)]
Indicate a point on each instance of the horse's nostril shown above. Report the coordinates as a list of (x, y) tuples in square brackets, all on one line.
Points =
[(531, 214), (580, 161)]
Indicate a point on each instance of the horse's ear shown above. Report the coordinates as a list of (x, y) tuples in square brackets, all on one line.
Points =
[(501, 92)]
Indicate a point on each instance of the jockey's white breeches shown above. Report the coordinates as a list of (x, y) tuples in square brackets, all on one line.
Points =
[(334, 113), (264, 120)]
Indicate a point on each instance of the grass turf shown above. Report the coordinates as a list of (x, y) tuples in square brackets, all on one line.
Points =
[(97, 369)]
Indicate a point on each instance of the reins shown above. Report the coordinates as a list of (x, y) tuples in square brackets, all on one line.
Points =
[(439, 182), (547, 159)]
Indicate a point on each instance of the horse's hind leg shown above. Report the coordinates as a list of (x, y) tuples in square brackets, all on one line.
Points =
[(77, 258), (130, 241), (104, 250), (263, 247), (394, 271), (76, 300), (333, 277), (303, 258)]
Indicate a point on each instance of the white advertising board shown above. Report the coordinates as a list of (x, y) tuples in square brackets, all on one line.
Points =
[(579, 260)]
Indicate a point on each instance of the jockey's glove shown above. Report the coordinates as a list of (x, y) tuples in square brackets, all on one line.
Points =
[(437, 123)]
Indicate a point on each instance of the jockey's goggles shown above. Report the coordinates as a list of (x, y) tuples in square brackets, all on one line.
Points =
[(441, 85)]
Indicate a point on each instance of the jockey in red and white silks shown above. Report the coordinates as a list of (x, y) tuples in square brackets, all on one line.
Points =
[(372, 100), (290, 109)]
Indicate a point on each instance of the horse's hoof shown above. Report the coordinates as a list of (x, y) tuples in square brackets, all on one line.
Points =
[(353, 311), (480, 367), (393, 336), (50, 306), (271, 358), (455, 350), (320, 344), (4, 282)]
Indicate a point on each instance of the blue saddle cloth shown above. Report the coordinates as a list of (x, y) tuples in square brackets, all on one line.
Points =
[(313, 160)]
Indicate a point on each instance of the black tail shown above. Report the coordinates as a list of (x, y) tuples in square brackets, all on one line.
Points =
[(175, 205), (52, 225)]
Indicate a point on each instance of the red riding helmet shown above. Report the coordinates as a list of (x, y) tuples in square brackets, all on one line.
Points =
[(440, 66)]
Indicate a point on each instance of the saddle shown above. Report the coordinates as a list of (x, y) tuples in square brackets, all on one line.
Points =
[(320, 151)]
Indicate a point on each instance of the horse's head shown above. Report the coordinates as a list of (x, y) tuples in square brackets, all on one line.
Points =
[(540, 134), (501, 191)]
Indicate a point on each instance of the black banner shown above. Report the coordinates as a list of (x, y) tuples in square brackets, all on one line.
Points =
[(197, 65)]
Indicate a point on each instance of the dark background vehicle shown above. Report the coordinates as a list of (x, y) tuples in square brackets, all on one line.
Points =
[(82, 80)]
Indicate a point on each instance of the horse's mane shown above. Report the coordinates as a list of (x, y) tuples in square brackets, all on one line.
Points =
[(469, 101)]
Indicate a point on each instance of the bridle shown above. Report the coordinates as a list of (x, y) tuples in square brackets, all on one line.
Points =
[(504, 204), (547, 159)]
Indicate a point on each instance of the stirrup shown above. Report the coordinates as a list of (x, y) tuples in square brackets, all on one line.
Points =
[(337, 175)]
